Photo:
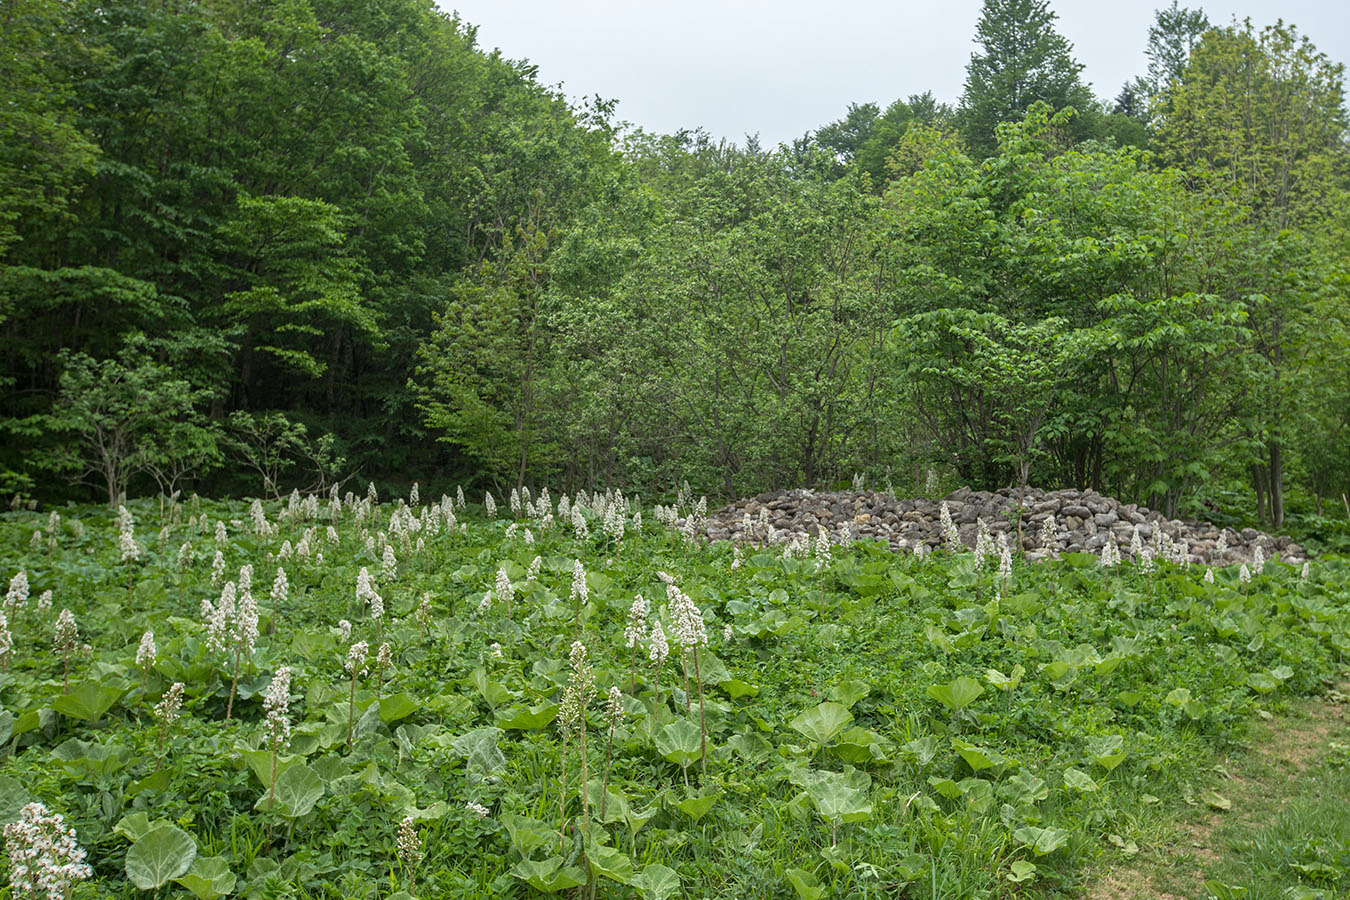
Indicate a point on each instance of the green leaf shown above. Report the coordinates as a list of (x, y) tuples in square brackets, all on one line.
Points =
[(1022, 870), (1107, 750), (736, 689), (823, 722), (679, 742), (260, 761), (1005, 682), (398, 706), (208, 878), (549, 875), (848, 692), (480, 751), (609, 863), (1217, 890), (161, 855), (657, 882), (90, 699), (977, 757), (13, 798), (1080, 781), (527, 834), (1041, 840), (137, 825), (838, 802), (297, 790), (805, 883), (696, 807), (527, 718), (1214, 800), (1024, 787), (956, 694)]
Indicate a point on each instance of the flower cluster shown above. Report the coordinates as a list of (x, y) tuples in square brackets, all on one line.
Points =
[(67, 634), (636, 629), (356, 658), (44, 856), (949, 532), (409, 843), (166, 710), (17, 595), (276, 703), (577, 694), (686, 619), (145, 653), (366, 593)]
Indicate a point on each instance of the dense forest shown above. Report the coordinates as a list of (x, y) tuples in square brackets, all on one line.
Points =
[(278, 243)]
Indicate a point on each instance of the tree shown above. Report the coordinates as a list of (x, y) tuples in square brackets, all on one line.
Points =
[(126, 416), (1261, 116), (1022, 59), (43, 154)]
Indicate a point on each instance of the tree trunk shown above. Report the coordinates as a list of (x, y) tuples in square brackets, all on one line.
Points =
[(1259, 483), (1276, 484)]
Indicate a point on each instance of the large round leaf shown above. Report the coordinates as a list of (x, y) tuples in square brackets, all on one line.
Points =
[(823, 722), (298, 789), (163, 854)]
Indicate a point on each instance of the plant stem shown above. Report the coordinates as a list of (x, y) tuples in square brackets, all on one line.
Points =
[(702, 721), (234, 682), (604, 786), (351, 713), (562, 798), (585, 801)]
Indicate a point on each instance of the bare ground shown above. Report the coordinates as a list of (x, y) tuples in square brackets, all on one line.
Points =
[(1259, 778)]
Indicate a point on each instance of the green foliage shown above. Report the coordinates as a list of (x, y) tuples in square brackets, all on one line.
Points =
[(1022, 60), (926, 761)]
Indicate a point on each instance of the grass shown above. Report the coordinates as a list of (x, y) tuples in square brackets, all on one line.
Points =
[(1286, 834), (878, 726)]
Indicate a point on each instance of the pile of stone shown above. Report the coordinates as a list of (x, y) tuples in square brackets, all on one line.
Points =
[(1084, 521)]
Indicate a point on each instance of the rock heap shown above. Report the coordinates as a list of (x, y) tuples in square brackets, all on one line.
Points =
[(1084, 521)]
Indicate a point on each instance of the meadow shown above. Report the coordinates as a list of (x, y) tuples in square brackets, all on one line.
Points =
[(369, 697)]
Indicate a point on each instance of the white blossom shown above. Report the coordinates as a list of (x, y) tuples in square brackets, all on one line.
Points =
[(145, 653), (45, 858), (17, 595), (636, 629), (659, 648), (276, 704)]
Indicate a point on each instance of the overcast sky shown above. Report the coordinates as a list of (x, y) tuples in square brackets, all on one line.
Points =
[(781, 68)]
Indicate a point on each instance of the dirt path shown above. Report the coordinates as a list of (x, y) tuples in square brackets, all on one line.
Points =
[(1258, 779)]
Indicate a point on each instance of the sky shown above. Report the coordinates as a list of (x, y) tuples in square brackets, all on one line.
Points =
[(781, 68)]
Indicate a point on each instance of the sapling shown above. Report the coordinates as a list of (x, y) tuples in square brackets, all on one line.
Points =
[(17, 595), (64, 642), (581, 593), (503, 588), (424, 615), (185, 560), (822, 549), (280, 590)]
